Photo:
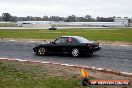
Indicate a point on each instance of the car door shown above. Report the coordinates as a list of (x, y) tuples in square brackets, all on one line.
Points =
[(71, 43), (60, 44)]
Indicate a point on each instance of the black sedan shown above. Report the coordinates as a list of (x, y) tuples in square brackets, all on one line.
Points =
[(73, 45), (53, 28)]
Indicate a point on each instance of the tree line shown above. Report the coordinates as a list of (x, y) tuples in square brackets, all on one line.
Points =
[(7, 17)]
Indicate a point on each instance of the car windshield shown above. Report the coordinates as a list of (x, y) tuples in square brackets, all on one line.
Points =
[(82, 40)]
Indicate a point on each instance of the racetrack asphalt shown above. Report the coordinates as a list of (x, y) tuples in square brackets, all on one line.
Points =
[(109, 57)]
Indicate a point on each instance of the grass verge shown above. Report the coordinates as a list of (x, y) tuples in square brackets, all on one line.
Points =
[(121, 35), (20, 75), (14, 74)]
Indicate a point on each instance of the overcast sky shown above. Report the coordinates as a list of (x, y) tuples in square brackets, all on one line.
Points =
[(95, 8)]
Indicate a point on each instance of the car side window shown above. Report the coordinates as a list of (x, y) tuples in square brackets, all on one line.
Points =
[(61, 40), (71, 41), (57, 40)]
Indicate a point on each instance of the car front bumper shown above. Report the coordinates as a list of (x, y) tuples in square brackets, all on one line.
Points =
[(35, 49), (96, 49)]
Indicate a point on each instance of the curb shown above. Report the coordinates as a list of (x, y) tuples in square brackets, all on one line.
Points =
[(76, 66)]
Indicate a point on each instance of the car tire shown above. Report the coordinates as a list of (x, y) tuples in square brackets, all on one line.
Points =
[(75, 52), (41, 51)]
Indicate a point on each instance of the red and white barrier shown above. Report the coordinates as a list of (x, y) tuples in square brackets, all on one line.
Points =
[(77, 66)]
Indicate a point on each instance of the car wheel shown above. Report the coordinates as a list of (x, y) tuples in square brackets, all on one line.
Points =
[(75, 53), (41, 51)]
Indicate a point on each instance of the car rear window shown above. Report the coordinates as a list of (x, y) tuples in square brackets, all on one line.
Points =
[(82, 40)]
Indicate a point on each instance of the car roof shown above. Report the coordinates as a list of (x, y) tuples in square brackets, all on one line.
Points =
[(70, 36)]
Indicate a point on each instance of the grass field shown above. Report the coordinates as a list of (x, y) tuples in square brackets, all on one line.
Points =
[(14, 74), (8, 24), (27, 75), (123, 35)]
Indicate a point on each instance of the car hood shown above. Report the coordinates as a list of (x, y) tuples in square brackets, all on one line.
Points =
[(46, 43)]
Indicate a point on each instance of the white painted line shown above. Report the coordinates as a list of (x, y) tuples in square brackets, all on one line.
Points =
[(21, 60), (11, 59), (65, 64), (109, 70), (99, 68), (126, 73), (124, 45), (31, 41), (93, 68), (3, 58), (70, 65), (18, 59), (13, 40), (45, 62), (115, 45)]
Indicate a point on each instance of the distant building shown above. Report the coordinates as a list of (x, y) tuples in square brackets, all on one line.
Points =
[(118, 22), (123, 22), (34, 24)]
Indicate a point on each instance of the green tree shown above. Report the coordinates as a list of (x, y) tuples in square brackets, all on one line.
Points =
[(45, 18), (14, 19), (6, 17), (88, 18), (71, 18), (0, 18), (54, 18), (81, 19)]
